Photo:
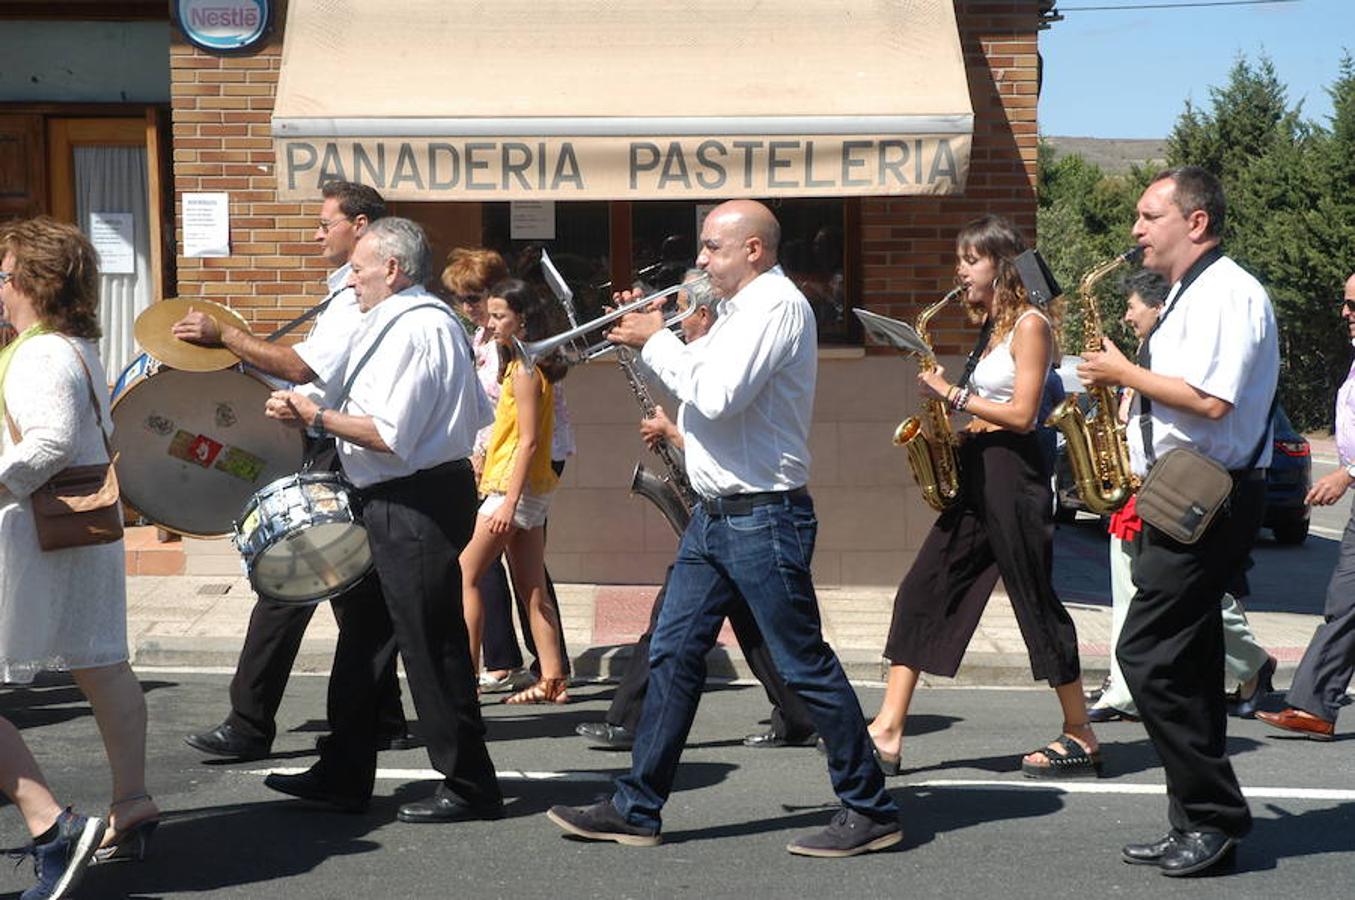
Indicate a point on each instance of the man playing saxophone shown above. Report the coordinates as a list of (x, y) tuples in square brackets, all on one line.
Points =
[(1205, 378)]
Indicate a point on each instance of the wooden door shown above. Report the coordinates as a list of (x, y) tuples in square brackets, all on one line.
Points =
[(23, 172)]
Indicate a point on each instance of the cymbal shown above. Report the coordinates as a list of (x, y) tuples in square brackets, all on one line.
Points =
[(153, 333)]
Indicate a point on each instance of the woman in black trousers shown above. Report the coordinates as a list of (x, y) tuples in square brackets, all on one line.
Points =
[(1001, 523)]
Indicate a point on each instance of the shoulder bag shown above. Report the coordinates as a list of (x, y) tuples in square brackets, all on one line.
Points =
[(78, 506)]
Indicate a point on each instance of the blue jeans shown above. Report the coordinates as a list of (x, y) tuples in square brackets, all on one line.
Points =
[(764, 556)]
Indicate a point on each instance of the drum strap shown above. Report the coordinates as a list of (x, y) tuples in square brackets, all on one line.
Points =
[(318, 446), (306, 316)]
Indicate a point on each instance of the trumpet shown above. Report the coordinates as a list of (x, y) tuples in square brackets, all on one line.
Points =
[(574, 347)]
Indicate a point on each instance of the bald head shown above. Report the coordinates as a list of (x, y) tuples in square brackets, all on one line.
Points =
[(1350, 288), (739, 240)]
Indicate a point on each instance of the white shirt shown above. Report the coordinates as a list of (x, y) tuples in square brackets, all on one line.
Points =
[(747, 390), (325, 349), (419, 387), (1220, 336), (994, 377)]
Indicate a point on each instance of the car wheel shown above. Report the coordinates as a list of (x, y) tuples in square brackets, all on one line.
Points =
[(1291, 532)]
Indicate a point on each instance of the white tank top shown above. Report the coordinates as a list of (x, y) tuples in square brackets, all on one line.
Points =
[(995, 375)]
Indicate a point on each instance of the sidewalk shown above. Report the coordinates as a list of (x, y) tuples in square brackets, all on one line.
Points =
[(199, 621)]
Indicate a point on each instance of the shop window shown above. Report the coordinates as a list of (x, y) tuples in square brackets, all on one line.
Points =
[(580, 248), (664, 242), (663, 245)]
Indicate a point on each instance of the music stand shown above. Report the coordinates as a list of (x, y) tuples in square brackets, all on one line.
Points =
[(557, 286), (892, 333)]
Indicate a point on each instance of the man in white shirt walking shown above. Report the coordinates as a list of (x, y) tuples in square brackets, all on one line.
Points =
[(1204, 381), (405, 431), (747, 391)]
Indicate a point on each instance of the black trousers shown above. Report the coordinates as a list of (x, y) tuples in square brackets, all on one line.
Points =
[(272, 641), (500, 644), (1001, 525), (1171, 653), (789, 718), (417, 526)]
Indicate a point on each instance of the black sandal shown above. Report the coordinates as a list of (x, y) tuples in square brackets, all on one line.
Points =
[(1074, 762)]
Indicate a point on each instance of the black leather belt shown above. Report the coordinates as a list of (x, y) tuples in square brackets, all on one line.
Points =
[(413, 480), (1248, 474), (743, 504)]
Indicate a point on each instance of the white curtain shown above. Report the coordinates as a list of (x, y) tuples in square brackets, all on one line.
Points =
[(113, 180)]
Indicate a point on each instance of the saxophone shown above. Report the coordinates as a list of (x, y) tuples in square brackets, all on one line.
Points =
[(1098, 452), (932, 448), (672, 493)]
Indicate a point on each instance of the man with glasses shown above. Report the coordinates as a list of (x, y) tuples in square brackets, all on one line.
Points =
[(273, 638), (1319, 687)]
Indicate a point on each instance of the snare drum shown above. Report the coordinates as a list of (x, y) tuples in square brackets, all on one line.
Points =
[(302, 539), (194, 446)]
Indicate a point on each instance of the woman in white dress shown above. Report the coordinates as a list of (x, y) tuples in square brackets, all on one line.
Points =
[(64, 609)]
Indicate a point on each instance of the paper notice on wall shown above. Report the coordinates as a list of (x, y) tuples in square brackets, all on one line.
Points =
[(532, 220), (112, 235), (206, 225)]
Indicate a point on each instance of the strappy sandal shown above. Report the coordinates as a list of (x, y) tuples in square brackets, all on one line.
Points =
[(1073, 762), (132, 842), (546, 690)]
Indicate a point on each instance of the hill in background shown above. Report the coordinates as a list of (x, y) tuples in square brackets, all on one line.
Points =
[(1111, 154)]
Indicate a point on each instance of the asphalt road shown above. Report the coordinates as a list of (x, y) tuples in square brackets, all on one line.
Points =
[(975, 827)]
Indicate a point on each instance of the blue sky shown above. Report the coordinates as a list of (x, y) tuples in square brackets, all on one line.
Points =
[(1127, 73)]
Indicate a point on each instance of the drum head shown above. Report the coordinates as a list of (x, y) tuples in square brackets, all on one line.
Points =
[(194, 447), (313, 564)]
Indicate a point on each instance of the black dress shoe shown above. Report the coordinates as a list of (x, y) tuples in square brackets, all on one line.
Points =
[(310, 786), (606, 734), (224, 740), (770, 740), (1194, 851), (403, 741), (444, 806), (1149, 854)]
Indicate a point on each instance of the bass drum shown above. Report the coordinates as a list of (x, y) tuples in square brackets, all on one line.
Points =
[(192, 447)]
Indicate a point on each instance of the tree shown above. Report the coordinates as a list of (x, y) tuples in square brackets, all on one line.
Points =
[(1290, 185)]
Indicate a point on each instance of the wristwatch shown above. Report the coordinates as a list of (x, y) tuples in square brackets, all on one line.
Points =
[(1350, 471), (317, 428)]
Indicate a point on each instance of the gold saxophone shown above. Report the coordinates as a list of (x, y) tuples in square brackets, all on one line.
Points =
[(1097, 450), (932, 448)]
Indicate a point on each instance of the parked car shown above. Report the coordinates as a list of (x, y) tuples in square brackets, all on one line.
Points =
[(1287, 482)]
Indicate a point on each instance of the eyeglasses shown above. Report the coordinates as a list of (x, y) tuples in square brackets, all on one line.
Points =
[(1348, 304), (327, 224), (5, 276), (468, 299)]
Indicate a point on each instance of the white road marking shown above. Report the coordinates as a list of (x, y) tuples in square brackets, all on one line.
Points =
[(1095, 787), (1070, 787), (434, 775)]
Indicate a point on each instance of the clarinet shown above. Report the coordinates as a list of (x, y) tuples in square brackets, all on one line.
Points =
[(671, 493)]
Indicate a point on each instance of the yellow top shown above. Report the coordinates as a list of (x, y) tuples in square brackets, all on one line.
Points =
[(504, 440)]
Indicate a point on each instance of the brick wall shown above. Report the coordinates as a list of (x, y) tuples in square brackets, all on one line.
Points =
[(908, 243), (221, 107)]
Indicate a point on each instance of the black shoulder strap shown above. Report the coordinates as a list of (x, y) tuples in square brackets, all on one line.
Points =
[(976, 354), (1145, 356)]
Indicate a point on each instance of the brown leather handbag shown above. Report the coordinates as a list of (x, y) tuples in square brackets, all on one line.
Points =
[(78, 506)]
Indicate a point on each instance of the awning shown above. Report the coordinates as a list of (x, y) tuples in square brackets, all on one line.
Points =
[(622, 99)]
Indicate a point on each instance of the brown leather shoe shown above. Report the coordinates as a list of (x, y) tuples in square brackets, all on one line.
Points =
[(1304, 723)]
